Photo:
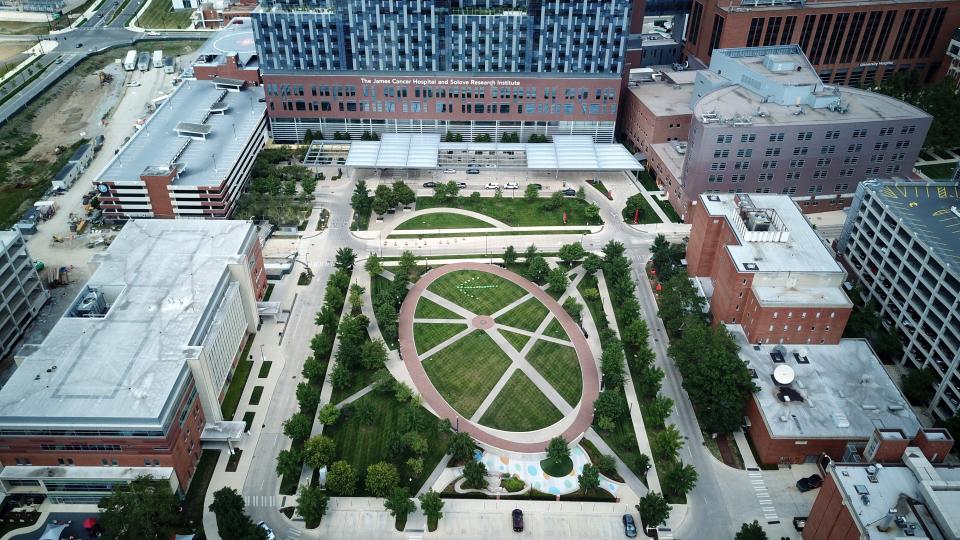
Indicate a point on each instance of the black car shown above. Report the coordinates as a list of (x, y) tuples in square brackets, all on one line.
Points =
[(629, 527), (473, 171), (429, 184), (811, 482), (569, 192), (517, 520), (79, 45), (537, 186)]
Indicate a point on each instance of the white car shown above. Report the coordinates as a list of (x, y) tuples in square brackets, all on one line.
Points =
[(511, 185), (270, 536), (153, 33), (133, 84), (449, 171), (492, 185)]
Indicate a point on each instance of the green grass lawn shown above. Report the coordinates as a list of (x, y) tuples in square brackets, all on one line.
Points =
[(557, 469), (520, 406), (429, 335), (648, 181), (465, 372), (480, 292), (255, 395), (359, 379), (526, 316), (669, 211), (160, 14), (647, 214), (428, 309), (525, 232), (240, 375), (940, 171), (515, 339), (193, 504), (362, 445), (265, 369), (555, 330), (559, 366), (516, 211), (443, 221)]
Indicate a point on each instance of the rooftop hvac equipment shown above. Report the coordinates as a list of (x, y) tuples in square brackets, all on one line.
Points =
[(680, 147), (784, 375), (91, 304)]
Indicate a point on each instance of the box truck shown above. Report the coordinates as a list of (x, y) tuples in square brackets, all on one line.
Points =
[(130, 62), (157, 59)]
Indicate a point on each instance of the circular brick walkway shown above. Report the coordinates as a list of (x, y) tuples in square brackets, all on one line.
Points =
[(408, 351)]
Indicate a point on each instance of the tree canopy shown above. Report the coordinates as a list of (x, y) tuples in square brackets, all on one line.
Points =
[(939, 99), (232, 521), (145, 509)]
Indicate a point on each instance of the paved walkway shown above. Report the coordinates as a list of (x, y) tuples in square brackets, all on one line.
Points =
[(527, 442), (651, 200)]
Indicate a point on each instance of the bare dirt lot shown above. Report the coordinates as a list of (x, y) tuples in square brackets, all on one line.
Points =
[(10, 49)]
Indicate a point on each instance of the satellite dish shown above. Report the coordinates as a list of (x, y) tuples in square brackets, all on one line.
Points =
[(783, 375), (102, 188)]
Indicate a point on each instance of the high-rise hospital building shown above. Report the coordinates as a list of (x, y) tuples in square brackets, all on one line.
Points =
[(470, 67)]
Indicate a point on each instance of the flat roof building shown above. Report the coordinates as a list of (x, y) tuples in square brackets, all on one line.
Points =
[(657, 111), (767, 269), (132, 373), (816, 399), (762, 122), (472, 68), (849, 42), (192, 158), (229, 54), (908, 499), (21, 291), (900, 240)]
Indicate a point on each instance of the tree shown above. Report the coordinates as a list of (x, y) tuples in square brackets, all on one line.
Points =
[(666, 444), (680, 479), (329, 414), (656, 411), (309, 185), (407, 265), (635, 334), (510, 256), (918, 385), (607, 464), (938, 99), (538, 269), (498, 192), (751, 531), (345, 259), (453, 189), (143, 509), (360, 201), (288, 463), (610, 403), (232, 522), (679, 299), (571, 253), (386, 315), (558, 450), (572, 307), (475, 475), (581, 193), (592, 213), (654, 509), (642, 463), (373, 265), (635, 209), (531, 192), (298, 427), (382, 477), (356, 298), (529, 254), (342, 479), (431, 505), (319, 451), (554, 202), (557, 280), (373, 354), (415, 466), (311, 504), (589, 478), (399, 505), (461, 446), (415, 442), (404, 195), (308, 396), (612, 363), (591, 263), (340, 376)]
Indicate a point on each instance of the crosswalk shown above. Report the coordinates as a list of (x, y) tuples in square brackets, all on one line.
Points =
[(763, 495), (266, 501), (293, 533)]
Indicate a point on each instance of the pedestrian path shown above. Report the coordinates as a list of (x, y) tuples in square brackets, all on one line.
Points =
[(266, 501), (763, 495), (527, 468)]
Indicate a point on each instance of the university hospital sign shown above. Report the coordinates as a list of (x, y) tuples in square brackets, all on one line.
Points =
[(443, 82)]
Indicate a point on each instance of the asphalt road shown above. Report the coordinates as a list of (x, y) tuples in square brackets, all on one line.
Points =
[(75, 45)]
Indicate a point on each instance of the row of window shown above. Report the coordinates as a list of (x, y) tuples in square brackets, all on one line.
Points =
[(429, 92), (444, 107), (829, 135)]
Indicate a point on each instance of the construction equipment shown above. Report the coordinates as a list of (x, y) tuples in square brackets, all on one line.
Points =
[(105, 78), (82, 224)]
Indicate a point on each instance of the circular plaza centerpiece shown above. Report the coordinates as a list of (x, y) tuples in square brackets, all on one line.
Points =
[(497, 356)]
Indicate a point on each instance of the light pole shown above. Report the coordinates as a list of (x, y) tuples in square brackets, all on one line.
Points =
[(262, 357)]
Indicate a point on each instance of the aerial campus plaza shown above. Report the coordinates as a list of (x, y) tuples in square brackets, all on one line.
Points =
[(482, 269)]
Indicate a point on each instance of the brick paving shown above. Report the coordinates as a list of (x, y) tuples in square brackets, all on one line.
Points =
[(522, 442)]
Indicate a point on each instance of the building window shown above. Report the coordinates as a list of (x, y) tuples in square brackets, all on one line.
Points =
[(745, 152), (800, 150), (717, 154), (724, 139), (859, 133), (748, 137), (828, 149), (832, 135), (776, 137)]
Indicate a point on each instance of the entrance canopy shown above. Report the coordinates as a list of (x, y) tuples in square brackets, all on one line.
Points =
[(427, 151)]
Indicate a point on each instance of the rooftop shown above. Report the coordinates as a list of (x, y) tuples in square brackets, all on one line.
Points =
[(235, 38), (790, 244), (206, 159), (157, 280), (671, 158), (915, 495), (777, 85), (931, 211), (837, 391), (665, 98)]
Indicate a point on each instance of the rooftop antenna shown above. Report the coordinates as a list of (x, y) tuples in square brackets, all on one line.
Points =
[(214, 157)]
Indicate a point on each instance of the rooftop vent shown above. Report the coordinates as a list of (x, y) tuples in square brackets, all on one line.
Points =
[(800, 356), (751, 266), (777, 356), (713, 198)]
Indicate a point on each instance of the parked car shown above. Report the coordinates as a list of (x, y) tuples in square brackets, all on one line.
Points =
[(59, 60), (473, 171), (153, 33), (462, 185), (449, 171), (569, 192), (491, 165), (429, 184), (492, 185), (270, 536), (811, 482), (79, 45), (133, 84), (511, 185), (629, 527), (517, 520), (538, 186)]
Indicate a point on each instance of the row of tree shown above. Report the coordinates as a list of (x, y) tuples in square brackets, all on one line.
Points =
[(272, 193)]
